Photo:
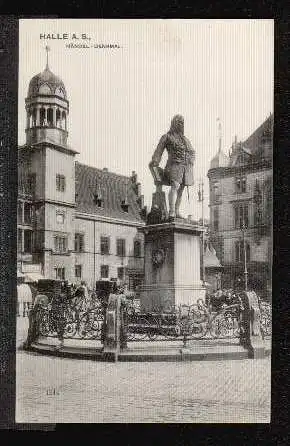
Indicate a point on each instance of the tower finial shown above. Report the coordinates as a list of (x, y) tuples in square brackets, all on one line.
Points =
[(47, 49), (220, 134)]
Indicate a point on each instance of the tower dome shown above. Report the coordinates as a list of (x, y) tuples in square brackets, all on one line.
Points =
[(46, 83), (47, 109)]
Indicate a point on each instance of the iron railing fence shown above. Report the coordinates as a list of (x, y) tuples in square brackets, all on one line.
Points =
[(185, 322)]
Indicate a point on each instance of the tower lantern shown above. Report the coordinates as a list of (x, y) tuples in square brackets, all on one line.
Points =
[(47, 108)]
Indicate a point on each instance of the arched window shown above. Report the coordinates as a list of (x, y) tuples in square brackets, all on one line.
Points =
[(34, 117), (50, 117), (42, 116), (137, 248), (63, 116), (240, 253), (58, 118), (29, 118)]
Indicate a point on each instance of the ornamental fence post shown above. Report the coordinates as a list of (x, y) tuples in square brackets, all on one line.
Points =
[(251, 334)]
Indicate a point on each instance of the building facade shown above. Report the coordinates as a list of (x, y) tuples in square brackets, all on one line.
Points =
[(241, 211), (75, 222)]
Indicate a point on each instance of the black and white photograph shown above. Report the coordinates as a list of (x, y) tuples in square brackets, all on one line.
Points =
[(144, 220)]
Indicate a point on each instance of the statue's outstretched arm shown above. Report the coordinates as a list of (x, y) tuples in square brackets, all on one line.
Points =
[(157, 155)]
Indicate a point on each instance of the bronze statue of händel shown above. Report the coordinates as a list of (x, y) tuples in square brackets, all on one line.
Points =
[(178, 171)]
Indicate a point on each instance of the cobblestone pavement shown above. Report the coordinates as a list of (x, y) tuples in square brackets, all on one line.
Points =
[(62, 390)]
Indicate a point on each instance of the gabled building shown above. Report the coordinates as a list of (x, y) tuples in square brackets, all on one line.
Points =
[(241, 210), (74, 221)]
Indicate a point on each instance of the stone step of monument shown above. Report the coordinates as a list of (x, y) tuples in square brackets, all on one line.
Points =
[(197, 350)]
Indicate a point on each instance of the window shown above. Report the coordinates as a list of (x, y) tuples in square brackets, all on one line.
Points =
[(34, 114), (121, 247), (19, 211), (27, 213), (105, 245), (120, 273), (31, 182), (27, 241), (58, 117), (258, 218), (60, 273), (98, 200), (216, 219), (60, 183), (241, 184), (60, 244), (241, 216), (42, 117), (239, 251), (78, 271), (79, 242), (104, 271), (137, 248), (50, 117), (125, 205), (216, 192), (60, 217), (19, 240)]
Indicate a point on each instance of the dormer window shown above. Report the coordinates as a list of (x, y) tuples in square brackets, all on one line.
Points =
[(98, 200), (44, 89), (241, 185), (125, 205), (59, 92)]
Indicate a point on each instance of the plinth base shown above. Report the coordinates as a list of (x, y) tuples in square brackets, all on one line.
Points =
[(172, 265), (156, 297)]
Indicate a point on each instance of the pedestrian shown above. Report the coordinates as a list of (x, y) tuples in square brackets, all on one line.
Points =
[(35, 315)]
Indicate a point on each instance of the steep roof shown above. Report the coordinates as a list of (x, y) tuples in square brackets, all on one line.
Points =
[(254, 147), (112, 188), (255, 139)]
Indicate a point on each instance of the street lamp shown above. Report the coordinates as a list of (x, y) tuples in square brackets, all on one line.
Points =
[(245, 256), (201, 200)]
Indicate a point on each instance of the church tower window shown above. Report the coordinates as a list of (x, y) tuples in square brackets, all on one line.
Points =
[(58, 118), (34, 117), (50, 117), (42, 116)]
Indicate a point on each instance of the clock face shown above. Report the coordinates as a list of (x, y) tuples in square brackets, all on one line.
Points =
[(158, 256)]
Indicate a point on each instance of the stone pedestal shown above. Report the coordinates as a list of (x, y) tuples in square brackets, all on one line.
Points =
[(172, 265)]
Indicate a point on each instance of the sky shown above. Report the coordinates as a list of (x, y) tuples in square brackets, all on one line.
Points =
[(122, 99)]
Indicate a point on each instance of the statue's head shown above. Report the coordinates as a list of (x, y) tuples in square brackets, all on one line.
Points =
[(177, 124)]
